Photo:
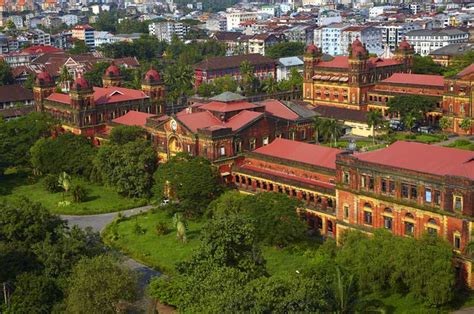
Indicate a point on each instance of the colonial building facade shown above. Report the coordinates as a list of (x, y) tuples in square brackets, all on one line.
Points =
[(87, 109), (227, 125), (407, 189), (345, 81)]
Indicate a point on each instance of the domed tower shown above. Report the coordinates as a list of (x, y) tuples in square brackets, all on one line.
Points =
[(404, 53), (112, 76), (359, 76), (82, 100), (311, 58), (44, 86), (154, 87)]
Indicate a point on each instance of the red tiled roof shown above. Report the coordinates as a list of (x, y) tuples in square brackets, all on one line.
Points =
[(40, 49), (343, 62), (104, 96), (424, 158), (312, 154), (466, 71), (133, 118), (416, 79), (242, 118), (337, 62), (227, 107), (198, 120), (83, 27), (278, 109)]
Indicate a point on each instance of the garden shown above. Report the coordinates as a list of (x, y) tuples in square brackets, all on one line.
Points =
[(462, 144)]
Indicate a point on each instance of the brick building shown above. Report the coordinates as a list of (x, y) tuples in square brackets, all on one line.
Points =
[(407, 188), (346, 81), (208, 70), (299, 170), (227, 125), (87, 109), (458, 100)]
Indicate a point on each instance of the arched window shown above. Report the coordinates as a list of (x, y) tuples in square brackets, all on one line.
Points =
[(367, 205), (408, 215), (432, 221), (387, 210)]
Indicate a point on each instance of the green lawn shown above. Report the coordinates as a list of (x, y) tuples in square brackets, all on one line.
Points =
[(362, 145), (462, 144), (163, 251), (99, 199), (422, 138)]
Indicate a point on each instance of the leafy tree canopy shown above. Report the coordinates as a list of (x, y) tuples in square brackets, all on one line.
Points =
[(192, 181), (285, 49), (411, 106), (6, 76), (124, 134), (18, 135), (64, 153), (128, 167)]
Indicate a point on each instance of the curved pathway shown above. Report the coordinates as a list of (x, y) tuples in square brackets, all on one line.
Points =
[(98, 223)]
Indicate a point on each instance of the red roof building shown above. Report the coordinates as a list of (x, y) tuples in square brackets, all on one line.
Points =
[(227, 125), (346, 81), (87, 109)]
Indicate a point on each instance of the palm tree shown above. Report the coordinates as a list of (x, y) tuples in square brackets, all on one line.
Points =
[(445, 123), (344, 293), (247, 77), (64, 181), (65, 78), (374, 119), (270, 86), (318, 127), (181, 227), (332, 130), (466, 124), (409, 121)]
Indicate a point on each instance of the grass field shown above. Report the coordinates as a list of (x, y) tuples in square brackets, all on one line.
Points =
[(164, 251), (462, 144), (422, 138), (99, 199)]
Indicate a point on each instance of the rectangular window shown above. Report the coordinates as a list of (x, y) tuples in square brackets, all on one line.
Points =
[(409, 228), (363, 181), (428, 195), (457, 242), (384, 186), (437, 197), (387, 222), (345, 177), (391, 187), (346, 212), (222, 151), (367, 217), (413, 192), (432, 230), (265, 140), (457, 202), (405, 190), (252, 144), (371, 183)]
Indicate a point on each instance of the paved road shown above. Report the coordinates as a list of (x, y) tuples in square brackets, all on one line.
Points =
[(98, 224), (100, 221)]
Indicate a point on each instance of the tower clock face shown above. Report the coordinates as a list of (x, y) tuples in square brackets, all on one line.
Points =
[(174, 125)]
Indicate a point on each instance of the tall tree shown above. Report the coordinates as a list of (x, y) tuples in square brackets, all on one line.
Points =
[(285, 49), (191, 181), (100, 285), (374, 120), (128, 167), (124, 134), (6, 76)]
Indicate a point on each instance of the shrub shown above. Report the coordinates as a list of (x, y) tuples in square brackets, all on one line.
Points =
[(138, 229), (79, 193), (51, 184), (161, 228)]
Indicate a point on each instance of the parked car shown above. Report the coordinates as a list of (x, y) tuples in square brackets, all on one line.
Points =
[(396, 125), (425, 130)]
